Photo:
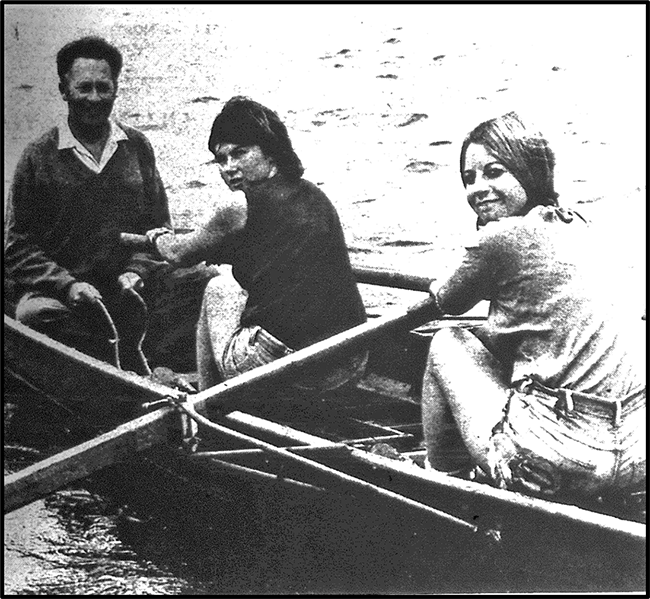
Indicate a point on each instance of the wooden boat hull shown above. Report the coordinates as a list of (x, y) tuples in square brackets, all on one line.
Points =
[(337, 432)]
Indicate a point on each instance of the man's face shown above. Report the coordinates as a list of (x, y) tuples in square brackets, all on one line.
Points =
[(90, 92)]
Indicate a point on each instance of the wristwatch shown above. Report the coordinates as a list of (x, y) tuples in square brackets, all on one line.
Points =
[(153, 234)]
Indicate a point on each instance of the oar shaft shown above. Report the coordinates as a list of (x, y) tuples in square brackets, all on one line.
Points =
[(78, 462), (133, 240), (364, 274), (226, 395), (335, 477), (390, 278)]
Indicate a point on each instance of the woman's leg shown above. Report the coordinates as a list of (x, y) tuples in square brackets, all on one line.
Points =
[(434, 416), (463, 375), (223, 304)]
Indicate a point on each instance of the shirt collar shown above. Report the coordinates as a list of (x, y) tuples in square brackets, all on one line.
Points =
[(68, 140)]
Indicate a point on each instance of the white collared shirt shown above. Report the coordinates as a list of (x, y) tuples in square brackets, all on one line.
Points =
[(68, 140)]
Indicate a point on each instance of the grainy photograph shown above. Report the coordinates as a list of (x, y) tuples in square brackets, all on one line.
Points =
[(324, 298)]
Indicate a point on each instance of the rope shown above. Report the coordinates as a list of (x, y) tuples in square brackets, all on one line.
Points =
[(145, 318), (115, 341)]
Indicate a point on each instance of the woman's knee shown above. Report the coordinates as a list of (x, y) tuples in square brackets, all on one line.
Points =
[(462, 345), (446, 341), (223, 289), (457, 358)]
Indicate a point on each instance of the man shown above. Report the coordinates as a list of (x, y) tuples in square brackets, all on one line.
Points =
[(74, 190)]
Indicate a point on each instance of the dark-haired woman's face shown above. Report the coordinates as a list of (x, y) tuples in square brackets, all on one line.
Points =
[(243, 167), (493, 192), (90, 92)]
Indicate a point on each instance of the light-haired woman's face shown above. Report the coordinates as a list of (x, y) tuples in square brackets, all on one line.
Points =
[(242, 167), (493, 192)]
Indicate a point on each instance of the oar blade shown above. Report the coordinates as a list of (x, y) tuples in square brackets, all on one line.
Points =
[(60, 470)]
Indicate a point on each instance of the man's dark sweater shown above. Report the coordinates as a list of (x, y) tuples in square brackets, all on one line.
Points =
[(64, 219)]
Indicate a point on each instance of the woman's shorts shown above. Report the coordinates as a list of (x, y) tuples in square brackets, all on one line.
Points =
[(253, 346), (552, 442)]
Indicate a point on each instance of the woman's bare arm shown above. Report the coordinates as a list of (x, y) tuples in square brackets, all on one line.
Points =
[(186, 249)]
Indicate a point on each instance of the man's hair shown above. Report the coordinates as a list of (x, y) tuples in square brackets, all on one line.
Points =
[(245, 122), (89, 47), (526, 154)]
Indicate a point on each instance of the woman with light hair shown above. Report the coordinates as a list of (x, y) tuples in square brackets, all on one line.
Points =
[(549, 395)]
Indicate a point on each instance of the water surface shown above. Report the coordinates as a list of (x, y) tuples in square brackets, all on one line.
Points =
[(377, 100)]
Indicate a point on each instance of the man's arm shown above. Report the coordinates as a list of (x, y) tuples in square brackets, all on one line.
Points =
[(27, 264)]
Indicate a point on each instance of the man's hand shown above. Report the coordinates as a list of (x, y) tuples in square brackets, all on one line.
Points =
[(82, 293), (130, 281)]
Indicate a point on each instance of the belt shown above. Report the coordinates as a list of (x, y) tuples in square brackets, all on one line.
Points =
[(568, 399), (270, 343)]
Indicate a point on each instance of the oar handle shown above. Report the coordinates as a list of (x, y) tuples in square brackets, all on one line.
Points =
[(134, 240), (390, 278)]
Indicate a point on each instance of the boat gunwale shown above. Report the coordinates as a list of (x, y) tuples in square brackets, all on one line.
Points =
[(626, 526)]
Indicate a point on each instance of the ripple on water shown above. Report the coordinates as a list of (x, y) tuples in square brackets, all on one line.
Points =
[(69, 544)]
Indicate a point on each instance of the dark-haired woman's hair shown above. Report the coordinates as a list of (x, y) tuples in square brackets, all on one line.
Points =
[(88, 47), (526, 154), (245, 122)]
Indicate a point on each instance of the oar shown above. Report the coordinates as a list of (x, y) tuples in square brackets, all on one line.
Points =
[(55, 472), (364, 274), (368, 275), (390, 278), (334, 476)]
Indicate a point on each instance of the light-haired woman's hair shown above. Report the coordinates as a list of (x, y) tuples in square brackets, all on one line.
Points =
[(245, 122), (526, 154)]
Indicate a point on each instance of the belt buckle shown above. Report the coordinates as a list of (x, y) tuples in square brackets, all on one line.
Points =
[(564, 405), (526, 385)]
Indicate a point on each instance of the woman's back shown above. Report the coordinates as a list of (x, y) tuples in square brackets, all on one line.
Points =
[(550, 315)]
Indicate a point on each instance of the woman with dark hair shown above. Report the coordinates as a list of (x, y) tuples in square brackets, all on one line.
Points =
[(549, 395), (292, 283), (253, 124)]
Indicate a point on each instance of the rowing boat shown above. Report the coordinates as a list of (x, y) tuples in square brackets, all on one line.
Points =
[(363, 445)]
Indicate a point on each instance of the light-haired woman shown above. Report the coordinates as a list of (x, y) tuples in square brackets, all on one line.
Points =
[(548, 395)]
